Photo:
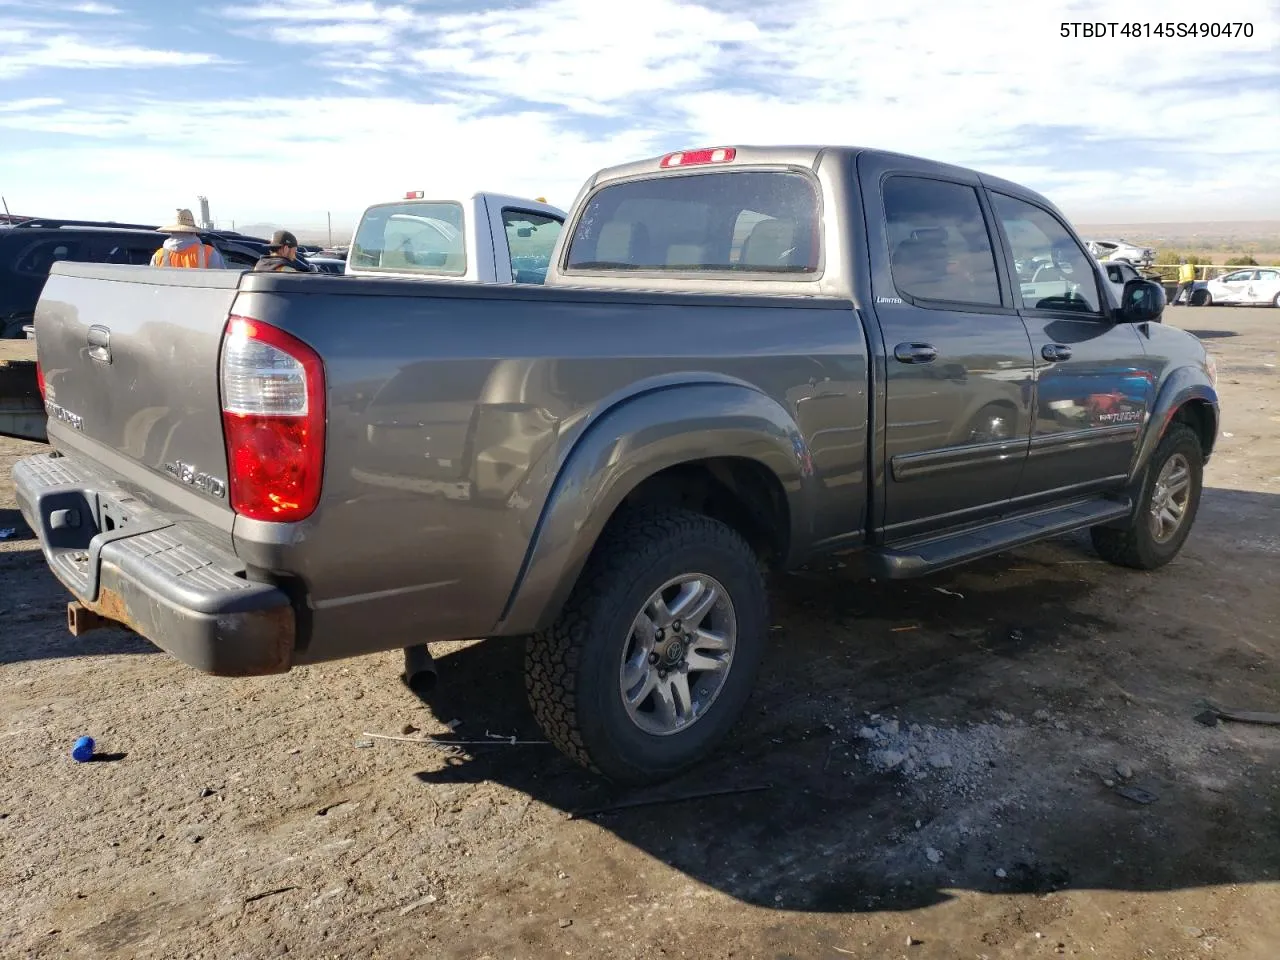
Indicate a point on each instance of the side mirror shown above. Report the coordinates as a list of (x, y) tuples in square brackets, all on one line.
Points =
[(1142, 302), (524, 232)]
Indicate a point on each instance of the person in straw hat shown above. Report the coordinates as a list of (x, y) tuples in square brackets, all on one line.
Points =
[(184, 248)]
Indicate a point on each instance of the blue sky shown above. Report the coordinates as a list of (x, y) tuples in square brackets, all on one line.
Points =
[(283, 111)]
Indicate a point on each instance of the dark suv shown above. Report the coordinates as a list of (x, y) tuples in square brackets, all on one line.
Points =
[(29, 248)]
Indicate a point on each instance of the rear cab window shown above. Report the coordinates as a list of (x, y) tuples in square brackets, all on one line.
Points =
[(742, 222), (531, 239), (411, 237)]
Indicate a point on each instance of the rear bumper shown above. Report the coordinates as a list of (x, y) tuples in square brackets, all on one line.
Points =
[(137, 567)]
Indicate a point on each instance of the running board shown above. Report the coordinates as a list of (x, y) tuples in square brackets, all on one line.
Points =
[(920, 557)]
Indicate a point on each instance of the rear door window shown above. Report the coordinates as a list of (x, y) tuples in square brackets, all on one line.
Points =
[(763, 222), (531, 238), (939, 246), (38, 258), (124, 249), (411, 237)]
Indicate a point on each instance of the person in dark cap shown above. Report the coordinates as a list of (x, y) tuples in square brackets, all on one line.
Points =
[(283, 257)]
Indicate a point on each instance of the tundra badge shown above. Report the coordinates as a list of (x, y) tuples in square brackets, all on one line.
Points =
[(64, 415), (188, 474)]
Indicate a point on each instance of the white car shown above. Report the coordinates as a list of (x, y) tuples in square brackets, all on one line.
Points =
[(1120, 250), (1255, 286)]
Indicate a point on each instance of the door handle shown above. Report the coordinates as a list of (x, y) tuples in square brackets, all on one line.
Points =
[(915, 352), (98, 340), (1055, 351)]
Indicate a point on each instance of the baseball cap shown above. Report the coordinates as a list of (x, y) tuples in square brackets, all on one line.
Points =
[(282, 238)]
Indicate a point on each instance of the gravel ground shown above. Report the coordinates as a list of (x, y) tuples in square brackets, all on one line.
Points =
[(997, 762)]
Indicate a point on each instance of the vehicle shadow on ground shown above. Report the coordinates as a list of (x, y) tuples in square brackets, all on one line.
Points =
[(1212, 334), (11, 519), (33, 619), (828, 833)]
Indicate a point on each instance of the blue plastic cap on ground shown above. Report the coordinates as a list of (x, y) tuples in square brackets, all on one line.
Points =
[(83, 750)]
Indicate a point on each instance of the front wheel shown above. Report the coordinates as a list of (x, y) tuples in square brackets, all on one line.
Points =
[(1166, 508), (653, 657)]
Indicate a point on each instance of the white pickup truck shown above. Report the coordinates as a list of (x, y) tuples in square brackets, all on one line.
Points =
[(485, 238)]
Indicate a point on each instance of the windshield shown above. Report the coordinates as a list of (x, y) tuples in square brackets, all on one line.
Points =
[(411, 237), (743, 221)]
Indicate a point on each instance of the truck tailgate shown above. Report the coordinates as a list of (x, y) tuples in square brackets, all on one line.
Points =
[(130, 361)]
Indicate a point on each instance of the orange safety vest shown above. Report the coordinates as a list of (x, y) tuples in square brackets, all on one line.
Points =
[(190, 257)]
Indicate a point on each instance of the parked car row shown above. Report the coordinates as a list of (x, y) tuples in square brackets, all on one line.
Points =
[(29, 248), (485, 238), (1248, 287)]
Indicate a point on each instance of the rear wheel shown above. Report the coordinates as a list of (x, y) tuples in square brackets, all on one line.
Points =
[(654, 655), (1166, 509), (1202, 298)]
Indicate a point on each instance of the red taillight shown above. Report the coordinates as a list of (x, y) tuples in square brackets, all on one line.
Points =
[(693, 158), (273, 418), (414, 195), (40, 379)]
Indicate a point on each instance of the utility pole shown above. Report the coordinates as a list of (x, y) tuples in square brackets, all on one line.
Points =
[(329, 216)]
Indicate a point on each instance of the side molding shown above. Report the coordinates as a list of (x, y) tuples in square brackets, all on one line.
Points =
[(631, 441)]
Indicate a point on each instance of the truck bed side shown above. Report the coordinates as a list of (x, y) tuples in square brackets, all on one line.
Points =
[(456, 414)]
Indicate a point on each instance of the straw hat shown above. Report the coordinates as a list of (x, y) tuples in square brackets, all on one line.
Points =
[(184, 223)]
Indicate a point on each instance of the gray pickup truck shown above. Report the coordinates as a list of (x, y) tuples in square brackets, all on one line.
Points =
[(742, 359)]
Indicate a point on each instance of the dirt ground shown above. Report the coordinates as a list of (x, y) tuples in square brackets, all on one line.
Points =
[(947, 769)]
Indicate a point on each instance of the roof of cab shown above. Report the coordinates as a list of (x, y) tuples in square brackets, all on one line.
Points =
[(802, 156)]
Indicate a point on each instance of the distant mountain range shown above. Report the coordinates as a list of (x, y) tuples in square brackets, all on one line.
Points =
[(1242, 235)]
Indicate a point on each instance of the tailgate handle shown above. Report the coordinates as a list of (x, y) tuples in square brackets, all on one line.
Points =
[(99, 340)]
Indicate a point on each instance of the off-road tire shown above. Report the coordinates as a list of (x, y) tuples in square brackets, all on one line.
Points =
[(571, 669), (1134, 545)]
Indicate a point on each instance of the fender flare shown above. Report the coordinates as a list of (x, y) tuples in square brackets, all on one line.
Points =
[(1184, 385), (635, 438)]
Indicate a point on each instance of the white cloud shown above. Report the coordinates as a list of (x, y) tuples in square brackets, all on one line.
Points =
[(1153, 127), (28, 105), (89, 8), (25, 50), (333, 34), (323, 10), (583, 52), (295, 158)]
